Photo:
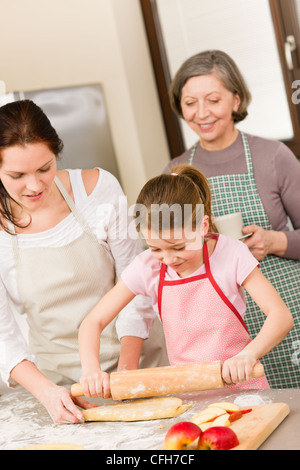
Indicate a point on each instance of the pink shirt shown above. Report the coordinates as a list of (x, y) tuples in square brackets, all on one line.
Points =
[(231, 262)]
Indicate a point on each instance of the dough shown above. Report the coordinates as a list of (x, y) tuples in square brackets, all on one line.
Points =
[(54, 446), (138, 410)]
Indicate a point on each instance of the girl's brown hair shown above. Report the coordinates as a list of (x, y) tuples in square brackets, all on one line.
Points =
[(184, 186), (223, 67), (21, 123)]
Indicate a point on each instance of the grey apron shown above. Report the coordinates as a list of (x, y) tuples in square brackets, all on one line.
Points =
[(58, 286), (231, 193)]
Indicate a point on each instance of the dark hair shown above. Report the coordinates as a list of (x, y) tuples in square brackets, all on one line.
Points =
[(223, 67), (21, 123)]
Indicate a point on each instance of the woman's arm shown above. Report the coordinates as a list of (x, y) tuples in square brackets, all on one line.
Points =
[(58, 401), (94, 381), (284, 172), (278, 323)]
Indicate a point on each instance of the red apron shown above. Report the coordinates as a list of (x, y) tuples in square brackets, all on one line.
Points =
[(200, 323)]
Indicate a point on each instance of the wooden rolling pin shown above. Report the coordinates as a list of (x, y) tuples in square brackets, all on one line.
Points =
[(168, 380)]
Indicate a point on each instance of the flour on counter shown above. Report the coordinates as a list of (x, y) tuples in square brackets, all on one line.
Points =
[(252, 400)]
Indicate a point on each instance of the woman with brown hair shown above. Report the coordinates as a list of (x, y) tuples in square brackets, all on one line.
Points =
[(248, 174), (59, 254)]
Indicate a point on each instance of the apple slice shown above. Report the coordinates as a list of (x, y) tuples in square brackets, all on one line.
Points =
[(222, 420), (207, 414), (204, 426), (235, 415), (213, 409), (246, 411), (203, 418), (227, 406)]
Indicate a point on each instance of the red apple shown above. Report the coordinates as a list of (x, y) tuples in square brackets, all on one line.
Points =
[(181, 435), (218, 438)]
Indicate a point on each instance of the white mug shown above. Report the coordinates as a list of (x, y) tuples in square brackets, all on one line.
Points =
[(230, 225)]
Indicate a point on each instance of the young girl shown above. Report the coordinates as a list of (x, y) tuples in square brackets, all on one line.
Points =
[(196, 279)]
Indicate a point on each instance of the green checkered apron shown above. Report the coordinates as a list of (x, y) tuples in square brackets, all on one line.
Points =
[(232, 193)]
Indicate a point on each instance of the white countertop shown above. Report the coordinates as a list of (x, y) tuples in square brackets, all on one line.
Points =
[(24, 422)]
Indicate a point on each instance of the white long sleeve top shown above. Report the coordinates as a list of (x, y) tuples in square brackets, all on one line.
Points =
[(106, 213)]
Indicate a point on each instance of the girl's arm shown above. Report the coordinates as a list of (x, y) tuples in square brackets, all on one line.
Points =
[(278, 323), (131, 347), (93, 380)]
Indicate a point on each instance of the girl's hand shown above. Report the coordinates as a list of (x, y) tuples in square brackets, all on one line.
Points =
[(238, 368), (96, 384), (61, 406)]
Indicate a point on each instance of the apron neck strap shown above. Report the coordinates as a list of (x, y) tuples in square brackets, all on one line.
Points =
[(71, 204), (206, 258), (247, 152), (192, 154)]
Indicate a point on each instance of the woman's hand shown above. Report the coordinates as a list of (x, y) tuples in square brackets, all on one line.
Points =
[(96, 384), (61, 406), (238, 368), (264, 242), (58, 401)]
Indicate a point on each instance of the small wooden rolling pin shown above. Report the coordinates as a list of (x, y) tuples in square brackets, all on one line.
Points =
[(168, 380)]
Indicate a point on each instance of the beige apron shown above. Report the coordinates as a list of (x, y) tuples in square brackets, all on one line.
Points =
[(58, 286)]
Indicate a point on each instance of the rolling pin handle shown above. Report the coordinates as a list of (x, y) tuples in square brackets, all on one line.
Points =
[(76, 390)]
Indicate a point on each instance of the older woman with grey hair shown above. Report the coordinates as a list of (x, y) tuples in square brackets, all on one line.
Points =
[(247, 173)]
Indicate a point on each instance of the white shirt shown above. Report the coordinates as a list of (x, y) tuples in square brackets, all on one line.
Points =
[(106, 213)]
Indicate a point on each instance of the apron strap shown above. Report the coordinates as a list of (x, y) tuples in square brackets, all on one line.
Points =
[(71, 205), (223, 296), (211, 279), (192, 154), (162, 273), (247, 153), (206, 259), (163, 268)]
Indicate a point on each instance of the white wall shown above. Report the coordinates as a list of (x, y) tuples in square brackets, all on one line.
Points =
[(56, 43), (236, 27), (48, 44)]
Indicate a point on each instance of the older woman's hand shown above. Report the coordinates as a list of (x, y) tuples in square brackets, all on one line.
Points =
[(265, 242), (258, 243)]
